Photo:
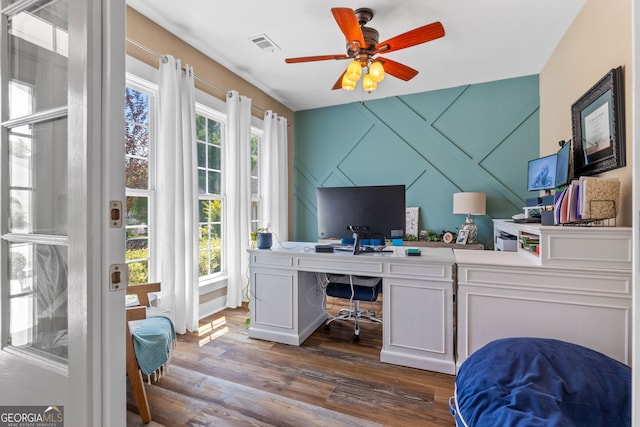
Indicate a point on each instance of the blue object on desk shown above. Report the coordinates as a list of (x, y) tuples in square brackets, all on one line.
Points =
[(413, 252)]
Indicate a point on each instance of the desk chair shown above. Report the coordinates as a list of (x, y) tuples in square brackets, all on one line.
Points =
[(354, 289)]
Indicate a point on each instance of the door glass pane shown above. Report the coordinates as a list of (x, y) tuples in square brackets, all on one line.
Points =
[(38, 298), (38, 178), (38, 49)]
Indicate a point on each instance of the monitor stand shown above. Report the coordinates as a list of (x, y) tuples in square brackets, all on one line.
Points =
[(356, 238)]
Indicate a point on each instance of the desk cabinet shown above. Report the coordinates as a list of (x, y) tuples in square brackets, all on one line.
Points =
[(420, 333), (286, 306)]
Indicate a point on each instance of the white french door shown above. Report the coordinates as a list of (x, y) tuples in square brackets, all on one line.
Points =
[(61, 324)]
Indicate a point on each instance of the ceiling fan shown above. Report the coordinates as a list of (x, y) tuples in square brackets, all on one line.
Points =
[(365, 50)]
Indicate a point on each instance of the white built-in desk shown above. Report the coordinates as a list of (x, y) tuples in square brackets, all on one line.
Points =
[(286, 300), (575, 287)]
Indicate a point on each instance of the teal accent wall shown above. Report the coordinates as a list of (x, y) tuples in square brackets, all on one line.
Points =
[(469, 138)]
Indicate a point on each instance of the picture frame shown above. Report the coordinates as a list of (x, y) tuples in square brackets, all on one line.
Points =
[(598, 127), (412, 218), (462, 237)]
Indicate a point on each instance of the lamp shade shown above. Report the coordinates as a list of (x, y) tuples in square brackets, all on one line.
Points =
[(368, 84), (377, 71), (348, 84), (354, 71), (469, 203)]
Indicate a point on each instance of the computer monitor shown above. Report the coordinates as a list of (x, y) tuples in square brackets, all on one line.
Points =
[(374, 212), (541, 173), (563, 165)]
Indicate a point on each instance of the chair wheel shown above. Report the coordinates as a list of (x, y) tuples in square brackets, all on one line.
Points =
[(327, 327), (356, 338)]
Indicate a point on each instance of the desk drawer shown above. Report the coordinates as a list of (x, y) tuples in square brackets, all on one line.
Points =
[(336, 265), (268, 260), (423, 271)]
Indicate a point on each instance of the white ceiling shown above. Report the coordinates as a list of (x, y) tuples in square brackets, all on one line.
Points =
[(485, 40)]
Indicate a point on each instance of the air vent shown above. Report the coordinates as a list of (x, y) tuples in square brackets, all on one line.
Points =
[(264, 43)]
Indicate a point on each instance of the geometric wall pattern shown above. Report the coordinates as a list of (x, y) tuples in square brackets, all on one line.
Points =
[(469, 138)]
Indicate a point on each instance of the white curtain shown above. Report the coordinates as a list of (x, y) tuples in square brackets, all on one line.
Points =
[(237, 170), (176, 189), (274, 176)]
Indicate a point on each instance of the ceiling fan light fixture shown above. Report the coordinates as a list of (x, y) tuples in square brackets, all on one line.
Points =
[(348, 84), (354, 71), (376, 70), (368, 83)]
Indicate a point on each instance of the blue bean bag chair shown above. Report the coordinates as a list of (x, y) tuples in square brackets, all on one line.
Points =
[(530, 382)]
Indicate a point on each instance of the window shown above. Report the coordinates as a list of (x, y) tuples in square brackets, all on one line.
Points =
[(209, 141), (256, 139), (210, 122), (139, 111)]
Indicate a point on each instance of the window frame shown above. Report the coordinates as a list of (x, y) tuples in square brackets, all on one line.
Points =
[(142, 85), (213, 114)]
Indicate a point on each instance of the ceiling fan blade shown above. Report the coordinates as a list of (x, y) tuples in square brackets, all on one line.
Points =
[(416, 36), (338, 84), (315, 58), (397, 69), (348, 23)]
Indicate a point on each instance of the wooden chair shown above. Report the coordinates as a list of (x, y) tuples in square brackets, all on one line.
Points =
[(133, 371)]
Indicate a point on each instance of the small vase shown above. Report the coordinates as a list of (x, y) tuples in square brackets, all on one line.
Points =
[(265, 240)]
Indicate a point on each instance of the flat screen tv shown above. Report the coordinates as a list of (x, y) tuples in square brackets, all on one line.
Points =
[(375, 212)]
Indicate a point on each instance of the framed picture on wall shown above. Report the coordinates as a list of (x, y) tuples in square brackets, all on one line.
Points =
[(598, 127)]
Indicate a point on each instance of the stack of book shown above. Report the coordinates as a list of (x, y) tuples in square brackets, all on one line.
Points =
[(587, 199)]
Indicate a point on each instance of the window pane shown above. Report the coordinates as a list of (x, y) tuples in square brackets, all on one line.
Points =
[(137, 173), (138, 272), (214, 157), (38, 177), (255, 208), (202, 155), (136, 140), (215, 210), (137, 247), (136, 107), (203, 210), (38, 298), (201, 130), (202, 182), (214, 182), (42, 31), (214, 132), (254, 145), (137, 212)]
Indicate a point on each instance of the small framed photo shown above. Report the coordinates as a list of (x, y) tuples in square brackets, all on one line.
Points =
[(462, 237)]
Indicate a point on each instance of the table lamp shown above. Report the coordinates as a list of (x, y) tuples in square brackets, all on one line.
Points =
[(469, 204)]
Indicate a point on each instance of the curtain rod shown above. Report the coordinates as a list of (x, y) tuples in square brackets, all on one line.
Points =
[(197, 77)]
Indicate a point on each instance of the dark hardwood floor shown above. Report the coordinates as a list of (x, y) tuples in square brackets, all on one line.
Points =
[(219, 376)]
